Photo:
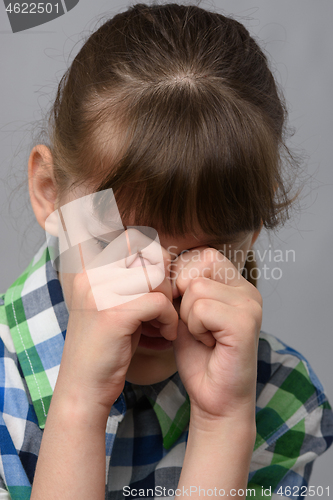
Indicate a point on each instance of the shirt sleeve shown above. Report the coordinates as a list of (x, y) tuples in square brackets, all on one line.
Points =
[(4, 494), (294, 423), (283, 467)]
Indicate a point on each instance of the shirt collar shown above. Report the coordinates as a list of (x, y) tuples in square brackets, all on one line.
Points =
[(171, 405), (37, 317)]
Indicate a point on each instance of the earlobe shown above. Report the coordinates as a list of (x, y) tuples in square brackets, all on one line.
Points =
[(42, 185)]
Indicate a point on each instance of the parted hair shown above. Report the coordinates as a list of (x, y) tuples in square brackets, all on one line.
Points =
[(176, 109)]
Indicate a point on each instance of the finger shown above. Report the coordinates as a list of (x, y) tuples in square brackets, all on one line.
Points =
[(154, 306), (145, 240), (209, 289), (124, 250), (227, 325), (113, 286), (185, 343), (117, 253), (196, 324), (154, 278), (209, 263), (135, 339), (164, 286), (141, 252), (108, 278)]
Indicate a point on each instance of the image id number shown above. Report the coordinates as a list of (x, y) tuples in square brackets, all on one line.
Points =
[(303, 491), (32, 8)]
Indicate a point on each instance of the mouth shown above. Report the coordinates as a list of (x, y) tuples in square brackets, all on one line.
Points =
[(151, 338)]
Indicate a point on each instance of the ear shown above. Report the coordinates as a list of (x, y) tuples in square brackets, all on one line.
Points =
[(42, 186)]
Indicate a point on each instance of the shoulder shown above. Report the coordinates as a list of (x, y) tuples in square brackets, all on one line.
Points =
[(293, 416), (287, 370), (6, 341)]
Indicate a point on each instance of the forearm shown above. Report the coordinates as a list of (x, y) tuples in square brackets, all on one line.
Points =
[(71, 463), (217, 456)]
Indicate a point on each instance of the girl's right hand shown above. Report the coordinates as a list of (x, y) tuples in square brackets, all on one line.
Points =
[(99, 344)]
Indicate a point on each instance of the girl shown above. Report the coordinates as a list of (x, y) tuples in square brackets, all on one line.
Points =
[(136, 366)]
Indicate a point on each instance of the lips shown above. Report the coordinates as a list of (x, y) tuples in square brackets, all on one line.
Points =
[(151, 337), (151, 329)]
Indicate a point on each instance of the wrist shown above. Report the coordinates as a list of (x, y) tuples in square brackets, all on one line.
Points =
[(79, 408), (75, 395), (214, 431), (242, 418)]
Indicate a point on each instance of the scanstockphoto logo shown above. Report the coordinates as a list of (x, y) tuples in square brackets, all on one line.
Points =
[(25, 15)]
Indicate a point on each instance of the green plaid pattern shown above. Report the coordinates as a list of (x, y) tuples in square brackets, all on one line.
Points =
[(147, 428), (293, 419), (172, 417), (28, 312)]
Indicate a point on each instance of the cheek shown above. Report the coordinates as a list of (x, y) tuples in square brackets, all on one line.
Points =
[(238, 256), (239, 259)]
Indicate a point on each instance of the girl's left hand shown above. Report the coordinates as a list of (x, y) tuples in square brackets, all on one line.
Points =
[(217, 342)]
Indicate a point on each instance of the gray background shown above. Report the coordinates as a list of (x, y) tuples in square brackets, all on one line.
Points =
[(298, 36)]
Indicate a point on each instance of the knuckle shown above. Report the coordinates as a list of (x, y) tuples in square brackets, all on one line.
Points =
[(132, 231), (198, 286), (254, 312), (159, 299), (199, 307), (180, 276), (210, 255), (136, 239)]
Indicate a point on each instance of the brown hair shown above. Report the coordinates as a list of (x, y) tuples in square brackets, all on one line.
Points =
[(175, 109)]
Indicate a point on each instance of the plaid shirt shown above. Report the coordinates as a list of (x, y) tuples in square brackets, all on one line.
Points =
[(147, 428)]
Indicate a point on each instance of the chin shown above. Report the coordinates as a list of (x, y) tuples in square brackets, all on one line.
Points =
[(148, 367)]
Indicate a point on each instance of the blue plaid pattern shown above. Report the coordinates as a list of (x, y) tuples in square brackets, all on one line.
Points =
[(147, 428)]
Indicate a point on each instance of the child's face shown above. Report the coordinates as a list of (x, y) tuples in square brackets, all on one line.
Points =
[(154, 360)]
